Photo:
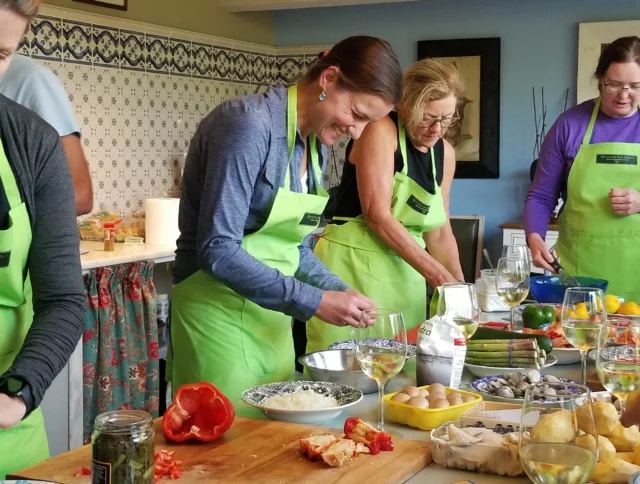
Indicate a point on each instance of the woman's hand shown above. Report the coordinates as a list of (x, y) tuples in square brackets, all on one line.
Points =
[(441, 278), (12, 410), (343, 308), (624, 201), (540, 252)]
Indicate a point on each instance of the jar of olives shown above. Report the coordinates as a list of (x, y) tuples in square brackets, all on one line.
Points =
[(123, 448)]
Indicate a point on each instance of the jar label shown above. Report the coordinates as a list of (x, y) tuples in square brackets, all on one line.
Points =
[(100, 473)]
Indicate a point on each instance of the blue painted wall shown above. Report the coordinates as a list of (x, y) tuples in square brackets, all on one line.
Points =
[(539, 48)]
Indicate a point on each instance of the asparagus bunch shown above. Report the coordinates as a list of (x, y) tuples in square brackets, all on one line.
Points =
[(506, 353)]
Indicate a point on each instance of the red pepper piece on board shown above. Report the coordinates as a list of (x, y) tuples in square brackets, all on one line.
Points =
[(199, 411), (360, 431), (83, 471)]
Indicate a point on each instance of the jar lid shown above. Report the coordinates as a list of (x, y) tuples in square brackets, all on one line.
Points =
[(123, 421)]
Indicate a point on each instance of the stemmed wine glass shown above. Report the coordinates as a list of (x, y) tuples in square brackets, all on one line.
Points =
[(584, 315), (460, 301), (618, 358), (512, 280), (381, 349), (549, 439), (516, 251)]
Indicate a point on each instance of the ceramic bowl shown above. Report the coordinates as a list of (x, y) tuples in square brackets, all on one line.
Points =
[(412, 349), (548, 289), (345, 395)]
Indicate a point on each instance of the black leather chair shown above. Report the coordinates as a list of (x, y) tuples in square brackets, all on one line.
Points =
[(469, 233)]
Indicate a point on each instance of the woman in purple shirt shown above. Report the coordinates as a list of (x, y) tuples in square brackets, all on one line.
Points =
[(590, 157)]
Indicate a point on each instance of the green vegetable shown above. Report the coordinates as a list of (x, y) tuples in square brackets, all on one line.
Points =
[(502, 344), (544, 342), (535, 316), (507, 363), (127, 458)]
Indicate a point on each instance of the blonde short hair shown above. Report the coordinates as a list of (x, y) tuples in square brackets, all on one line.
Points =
[(425, 81), (25, 8)]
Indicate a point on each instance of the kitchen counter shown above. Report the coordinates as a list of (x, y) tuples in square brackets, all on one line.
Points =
[(98, 257)]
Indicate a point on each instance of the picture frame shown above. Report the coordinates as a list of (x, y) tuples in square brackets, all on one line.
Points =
[(592, 38), (117, 4), (476, 138)]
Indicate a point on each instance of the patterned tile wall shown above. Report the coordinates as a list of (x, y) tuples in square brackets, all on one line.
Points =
[(139, 92)]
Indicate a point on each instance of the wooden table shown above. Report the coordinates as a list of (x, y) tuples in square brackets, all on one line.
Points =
[(255, 451)]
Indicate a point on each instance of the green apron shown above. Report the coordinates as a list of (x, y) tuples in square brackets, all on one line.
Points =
[(220, 336), (593, 241), (24, 444), (358, 256)]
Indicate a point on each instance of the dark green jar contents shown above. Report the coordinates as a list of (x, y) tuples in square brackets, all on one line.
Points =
[(123, 448)]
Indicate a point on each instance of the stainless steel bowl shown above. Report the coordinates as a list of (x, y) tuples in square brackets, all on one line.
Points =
[(338, 366)]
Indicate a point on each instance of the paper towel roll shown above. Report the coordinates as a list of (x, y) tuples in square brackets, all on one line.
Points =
[(162, 221)]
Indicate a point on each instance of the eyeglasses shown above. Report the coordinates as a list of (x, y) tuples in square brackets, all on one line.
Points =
[(632, 90), (444, 122)]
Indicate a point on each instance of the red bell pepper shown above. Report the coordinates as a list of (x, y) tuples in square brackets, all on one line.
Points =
[(360, 431), (199, 411)]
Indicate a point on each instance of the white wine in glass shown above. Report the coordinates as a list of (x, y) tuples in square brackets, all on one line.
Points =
[(512, 280), (460, 301), (381, 349), (544, 459)]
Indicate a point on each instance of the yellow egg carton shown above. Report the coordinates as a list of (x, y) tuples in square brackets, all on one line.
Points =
[(427, 418)]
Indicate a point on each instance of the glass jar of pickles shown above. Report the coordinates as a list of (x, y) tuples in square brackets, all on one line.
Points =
[(123, 448)]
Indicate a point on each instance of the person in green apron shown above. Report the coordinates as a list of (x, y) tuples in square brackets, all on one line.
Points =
[(590, 157), (41, 291), (252, 194), (393, 202)]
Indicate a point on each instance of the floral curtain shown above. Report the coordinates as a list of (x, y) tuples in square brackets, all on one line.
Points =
[(120, 342)]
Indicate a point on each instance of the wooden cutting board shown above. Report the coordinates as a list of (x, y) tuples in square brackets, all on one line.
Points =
[(255, 451)]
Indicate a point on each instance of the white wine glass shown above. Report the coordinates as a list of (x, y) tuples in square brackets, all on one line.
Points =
[(512, 281), (381, 349), (459, 301), (548, 446), (516, 250), (618, 358), (584, 315)]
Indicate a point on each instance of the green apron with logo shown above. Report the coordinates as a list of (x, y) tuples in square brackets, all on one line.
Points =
[(24, 444), (593, 241), (358, 256), (221, 337)]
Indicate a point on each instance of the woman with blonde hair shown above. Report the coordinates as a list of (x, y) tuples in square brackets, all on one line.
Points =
[(393, 202)]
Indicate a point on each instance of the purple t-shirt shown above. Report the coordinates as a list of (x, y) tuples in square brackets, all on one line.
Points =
[(559, 148)]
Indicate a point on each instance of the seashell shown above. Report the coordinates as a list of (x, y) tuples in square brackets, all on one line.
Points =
[(459, 436), (550, 379), (550, 392), (515, 378), (505, 392), (522, 385), (495, 385), (533, 376), (519, 393), (502, 381)]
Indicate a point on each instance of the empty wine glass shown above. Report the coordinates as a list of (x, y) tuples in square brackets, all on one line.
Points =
[(512, 280), (584, 315), (549, 439), (381, 349), (459, 301)]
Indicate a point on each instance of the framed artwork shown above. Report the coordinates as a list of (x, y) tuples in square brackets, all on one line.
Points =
[(476, 138), (117, 4), (593, 37)]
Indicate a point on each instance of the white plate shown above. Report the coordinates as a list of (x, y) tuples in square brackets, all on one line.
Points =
[(482, 371), (345, 395), (566, 356)]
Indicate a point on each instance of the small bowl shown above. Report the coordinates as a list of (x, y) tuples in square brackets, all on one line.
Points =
[(549, 290), (350, 344), (338, 366), (426, 418), (346, 396)]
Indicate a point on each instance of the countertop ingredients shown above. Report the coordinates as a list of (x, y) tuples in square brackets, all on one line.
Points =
[(360, 431), (166, 465), (506, 353), (544, 343), (535, 316), (556, 426), (300, 399), (513, 385), (200, 411)]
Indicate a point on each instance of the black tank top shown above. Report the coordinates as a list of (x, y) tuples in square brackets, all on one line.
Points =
[(420, 170)]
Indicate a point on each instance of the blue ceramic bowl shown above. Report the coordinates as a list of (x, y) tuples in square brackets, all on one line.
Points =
[(549, 290)]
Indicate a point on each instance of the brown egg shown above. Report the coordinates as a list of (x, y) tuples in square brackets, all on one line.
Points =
[(419, 402), (434, 396), (454, 395), (455, 400), (437, 387), (423, 393), (411, 391), (468, 398), (400, 397), (440, 403)]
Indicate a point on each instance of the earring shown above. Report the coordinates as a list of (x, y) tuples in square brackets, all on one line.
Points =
[(323, 95)]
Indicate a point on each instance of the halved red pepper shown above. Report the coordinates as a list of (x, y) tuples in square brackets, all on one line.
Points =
[(360, 431), (199, 411)]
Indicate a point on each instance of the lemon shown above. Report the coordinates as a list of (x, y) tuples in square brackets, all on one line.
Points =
[(582, 312), (629, 309), (613, 303), (571, 314)]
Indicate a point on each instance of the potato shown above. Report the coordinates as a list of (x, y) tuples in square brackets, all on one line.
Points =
[(606, 450), (636, 455), (625, 439), (558, 426), (606, 417), (613, 472), (626, 456)]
